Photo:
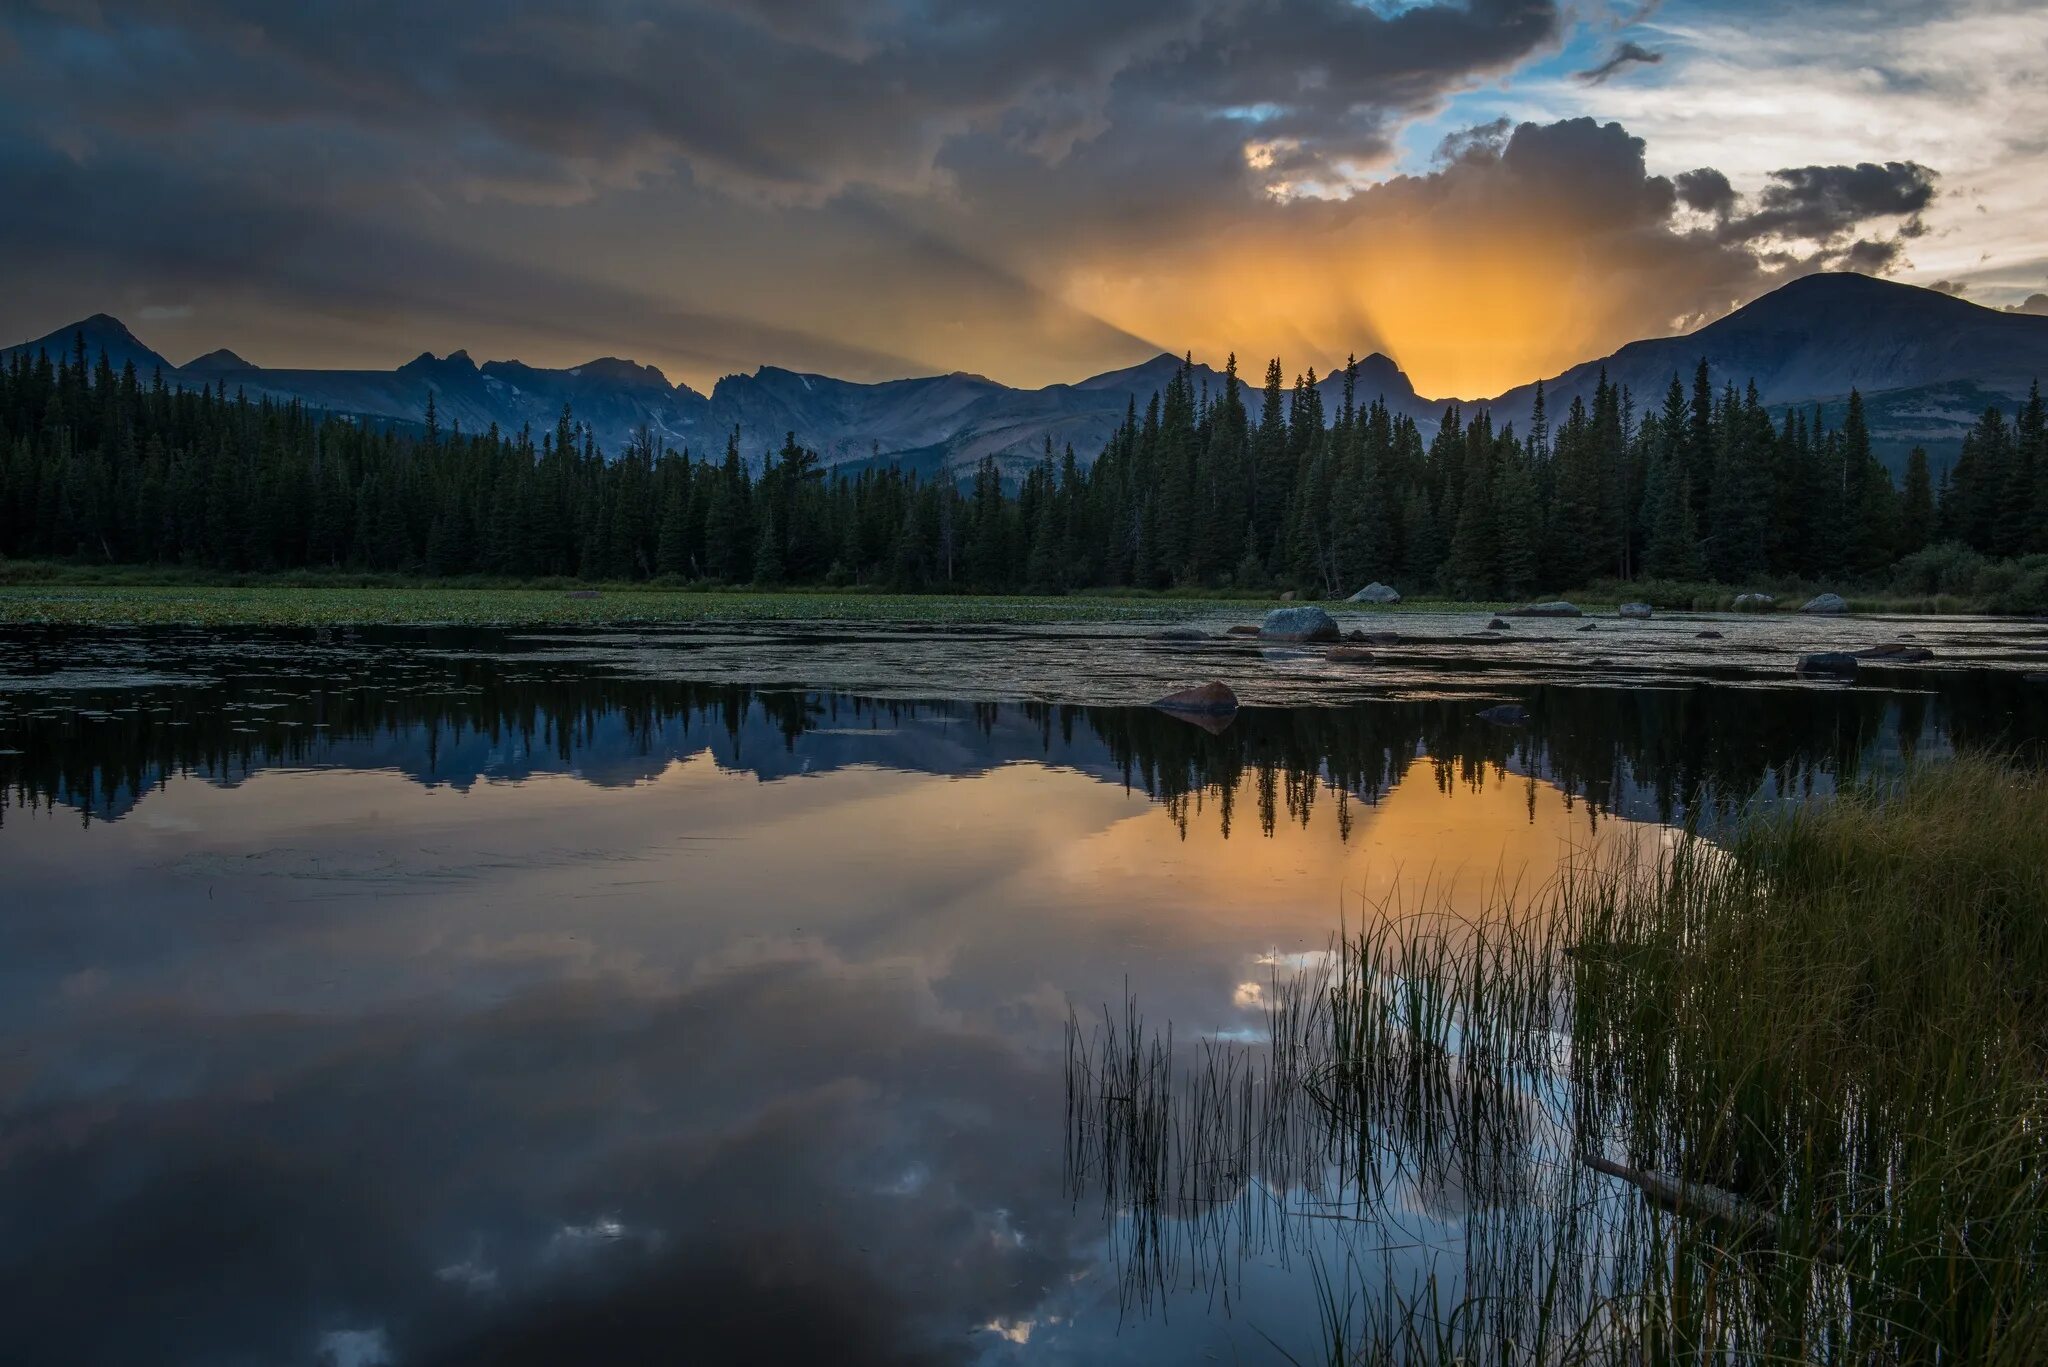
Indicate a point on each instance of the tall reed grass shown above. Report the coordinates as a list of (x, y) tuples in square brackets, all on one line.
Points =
[(1777, 1096)]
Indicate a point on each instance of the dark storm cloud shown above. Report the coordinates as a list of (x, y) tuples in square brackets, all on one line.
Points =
[(1625, 55), (1706, 191), (1825, 203), (348, 155), (1323, 79), (789, 100)]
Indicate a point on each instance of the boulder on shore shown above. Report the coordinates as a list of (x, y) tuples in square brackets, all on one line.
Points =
[(1828, 662), (1287, 597), (1203, 700), (1299, 624), (1638, 611), (1556, 608), (1375, 592), (1826, 605), (1506, 714), (1754, 602)]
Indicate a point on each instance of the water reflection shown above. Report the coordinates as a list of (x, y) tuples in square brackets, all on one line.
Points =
[(419, 1008), (99, 744)]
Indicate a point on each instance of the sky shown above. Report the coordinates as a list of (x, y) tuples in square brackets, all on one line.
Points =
[(1487, 191)]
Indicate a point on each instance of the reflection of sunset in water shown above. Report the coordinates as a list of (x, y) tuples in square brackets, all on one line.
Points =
[(682, 977)]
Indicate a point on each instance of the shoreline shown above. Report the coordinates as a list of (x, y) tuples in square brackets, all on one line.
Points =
[(121, 603)]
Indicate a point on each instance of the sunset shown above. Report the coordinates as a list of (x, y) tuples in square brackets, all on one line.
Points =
[(940, 683), (1489, 193)]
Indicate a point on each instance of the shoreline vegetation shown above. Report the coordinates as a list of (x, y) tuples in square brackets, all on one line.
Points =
[(1232, 490), (42, 594), (1778, 1095)]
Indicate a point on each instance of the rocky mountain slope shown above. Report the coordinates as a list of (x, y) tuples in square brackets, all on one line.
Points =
[(1926, 362)]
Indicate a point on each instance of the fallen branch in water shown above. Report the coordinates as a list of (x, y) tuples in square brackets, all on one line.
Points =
[(1698, 1200)]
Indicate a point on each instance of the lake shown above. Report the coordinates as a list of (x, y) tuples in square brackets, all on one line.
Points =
[(437, 996)]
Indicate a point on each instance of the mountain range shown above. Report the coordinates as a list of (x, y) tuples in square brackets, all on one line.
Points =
[(1927, 364)]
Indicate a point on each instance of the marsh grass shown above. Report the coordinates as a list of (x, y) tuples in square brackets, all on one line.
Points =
[(1823, 1037)]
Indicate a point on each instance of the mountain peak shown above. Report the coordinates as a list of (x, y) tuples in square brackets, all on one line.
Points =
[(615, 370), (103, 333), (220, 359), (456, 362)]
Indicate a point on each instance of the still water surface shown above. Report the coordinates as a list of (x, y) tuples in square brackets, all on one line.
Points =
[(454, 997)]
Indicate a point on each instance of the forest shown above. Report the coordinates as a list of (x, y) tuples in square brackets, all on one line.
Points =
[(1243, 488)]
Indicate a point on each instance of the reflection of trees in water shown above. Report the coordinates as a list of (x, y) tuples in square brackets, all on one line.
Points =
[(1641, 752)]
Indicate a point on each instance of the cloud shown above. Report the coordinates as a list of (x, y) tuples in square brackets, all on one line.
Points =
[(1823, 203), (1706, 191), (1955, 288), (1559, 236), (1624, 56), (2036, 304)]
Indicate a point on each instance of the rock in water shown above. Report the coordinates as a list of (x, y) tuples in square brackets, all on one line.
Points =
[(1497, 625), (1506, 714), (1183, 634), (1204, 700), (1827, 605), (1299, 624), (1828, 662), (1349, 655), (1754, 602), (1706, 635), (1558, 608), (1242, 630), (1895, 653), (1639, 611), (1375, 592)]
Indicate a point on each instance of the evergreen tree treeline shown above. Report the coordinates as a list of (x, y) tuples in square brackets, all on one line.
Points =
[(1199, 488)]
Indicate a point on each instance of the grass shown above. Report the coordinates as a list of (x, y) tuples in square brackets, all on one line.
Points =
[(1827, 1033), (73, 594)]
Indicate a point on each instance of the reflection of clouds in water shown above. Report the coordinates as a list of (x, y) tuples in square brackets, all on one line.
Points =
[(743, 1108), (354, 1348)]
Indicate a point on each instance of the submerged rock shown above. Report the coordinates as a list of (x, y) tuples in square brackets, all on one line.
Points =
[(1203, 700), (1706, 635), (1506, 714), (1754, 602), (1828, 662), (1895, 653), (1242, 630), (1299, 624), (1183, 634), (1497, 625), (1375, 592), (1349, 655), (1636, 611), (1590, 626), (1555, 608), (1377, 638), (1826, 605)]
